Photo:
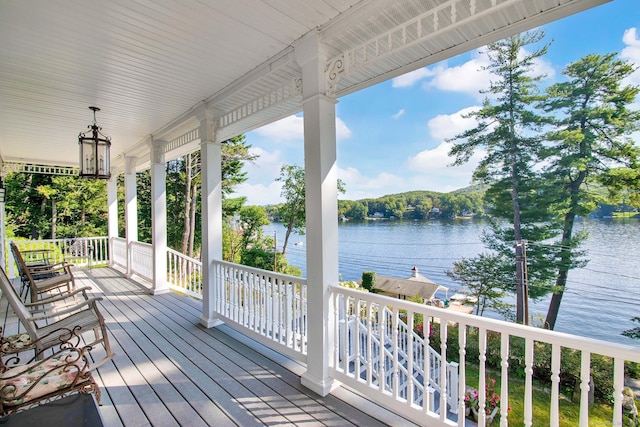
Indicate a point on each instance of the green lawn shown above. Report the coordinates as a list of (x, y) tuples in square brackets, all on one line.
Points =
[(599, 414)]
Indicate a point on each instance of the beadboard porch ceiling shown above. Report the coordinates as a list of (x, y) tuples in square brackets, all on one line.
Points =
[(147, 64)]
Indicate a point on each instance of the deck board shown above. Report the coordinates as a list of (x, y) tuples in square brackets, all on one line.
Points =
[(171, 371)]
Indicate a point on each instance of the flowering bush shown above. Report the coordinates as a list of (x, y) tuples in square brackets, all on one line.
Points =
[(492, 399)]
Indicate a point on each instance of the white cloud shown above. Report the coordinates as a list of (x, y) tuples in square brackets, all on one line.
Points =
[(631, 53), (444, 126), (291, 129), (288, 129), (468, 78), (342, 130), (399, 114), (260, 194), (472, 76), (359, 186), (409, 79), (267, 166), (434, 166)]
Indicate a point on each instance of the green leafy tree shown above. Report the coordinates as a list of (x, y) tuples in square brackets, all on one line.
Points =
[(264, 259), (46, 206), (487, 277), (252, 218), (369, 280), (633, 332), (508, 130), (590, 144), (293, 212)]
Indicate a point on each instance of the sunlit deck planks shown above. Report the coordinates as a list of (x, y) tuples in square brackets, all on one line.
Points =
[(170, 371)]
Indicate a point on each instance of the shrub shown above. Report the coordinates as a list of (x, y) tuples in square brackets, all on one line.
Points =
[(368, 280)]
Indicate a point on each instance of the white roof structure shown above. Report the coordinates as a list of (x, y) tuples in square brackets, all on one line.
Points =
[(151, 65)]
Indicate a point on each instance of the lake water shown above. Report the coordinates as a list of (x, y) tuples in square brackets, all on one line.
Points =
[(600, 299)]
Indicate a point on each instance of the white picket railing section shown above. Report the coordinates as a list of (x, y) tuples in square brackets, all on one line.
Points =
[(141, 259), (81, 251), (271, 307), (394, 376), (119, 252), (184, 274)]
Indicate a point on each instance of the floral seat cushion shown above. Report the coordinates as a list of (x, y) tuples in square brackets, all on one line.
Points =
[(64, 371), (16, 343)]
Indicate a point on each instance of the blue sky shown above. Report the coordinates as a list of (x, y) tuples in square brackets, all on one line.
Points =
[(391, 137)]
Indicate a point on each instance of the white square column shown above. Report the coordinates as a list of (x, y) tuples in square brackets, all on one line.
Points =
[(131, 205), (159, 218), (211, 201), (112, 211), (321, 187)]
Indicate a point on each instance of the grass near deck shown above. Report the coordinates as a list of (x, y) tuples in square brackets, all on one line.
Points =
[(600, 414)]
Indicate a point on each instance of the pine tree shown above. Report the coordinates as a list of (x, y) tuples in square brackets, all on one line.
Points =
[(590, 144), (508, 130)]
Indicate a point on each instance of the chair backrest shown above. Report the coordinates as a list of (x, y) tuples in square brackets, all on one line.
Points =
[(22, 270), (16, 303)]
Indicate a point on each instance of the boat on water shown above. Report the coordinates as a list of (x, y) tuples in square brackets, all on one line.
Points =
[(464, 298)]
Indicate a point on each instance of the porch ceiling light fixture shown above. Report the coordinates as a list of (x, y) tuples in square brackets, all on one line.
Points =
[(94, 151)]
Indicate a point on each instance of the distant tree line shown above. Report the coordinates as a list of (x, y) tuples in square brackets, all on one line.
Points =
[(415, 205)]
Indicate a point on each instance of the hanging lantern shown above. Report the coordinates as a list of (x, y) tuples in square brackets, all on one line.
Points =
[(94, 151)]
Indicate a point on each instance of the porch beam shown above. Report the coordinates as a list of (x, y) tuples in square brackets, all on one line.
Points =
[(321, 211), (159, 217)]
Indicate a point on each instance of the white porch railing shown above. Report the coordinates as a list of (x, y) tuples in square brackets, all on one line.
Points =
[(378, 350), (81, 251), (141, 260), (119, 252), (271, 307), (392, 374), (184, 274)]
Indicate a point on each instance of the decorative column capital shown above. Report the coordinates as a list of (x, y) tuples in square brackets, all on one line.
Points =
[(156, 151), (130, 165), (317, 77)]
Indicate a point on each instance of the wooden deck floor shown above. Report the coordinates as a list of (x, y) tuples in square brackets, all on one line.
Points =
[(170, 371)]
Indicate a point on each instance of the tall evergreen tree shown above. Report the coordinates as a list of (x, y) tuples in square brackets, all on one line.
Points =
[(590, 143), (508, 130)]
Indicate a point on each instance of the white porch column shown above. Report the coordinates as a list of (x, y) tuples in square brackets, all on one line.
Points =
[(211, 157), (112, 210), (159, 217), (131, 205), (3, 230), (321, 211)]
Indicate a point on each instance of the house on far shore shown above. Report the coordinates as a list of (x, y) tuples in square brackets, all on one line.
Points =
[(416, 284)]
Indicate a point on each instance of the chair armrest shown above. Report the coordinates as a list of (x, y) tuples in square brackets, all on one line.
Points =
[(10, 345), (71, 309), (49, 267), (50, 300)]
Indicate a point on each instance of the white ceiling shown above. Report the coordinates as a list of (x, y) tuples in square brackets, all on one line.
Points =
[(148, 63)]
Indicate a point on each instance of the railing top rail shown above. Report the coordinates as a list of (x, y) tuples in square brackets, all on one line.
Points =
[(285, 277), (180, 254), (60, 239), (562, 339), (141, 244)]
